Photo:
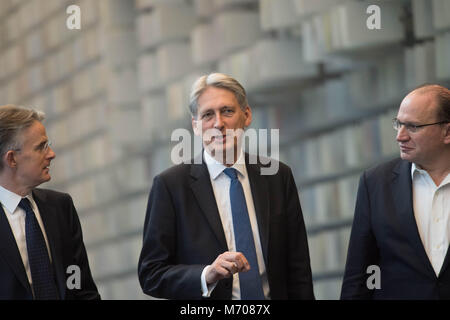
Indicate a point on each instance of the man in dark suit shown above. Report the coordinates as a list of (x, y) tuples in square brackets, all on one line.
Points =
[(401, 222), (219, 228), (42, 255)]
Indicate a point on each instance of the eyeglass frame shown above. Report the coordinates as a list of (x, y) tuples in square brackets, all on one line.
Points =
[(411, 127), (44, 148)]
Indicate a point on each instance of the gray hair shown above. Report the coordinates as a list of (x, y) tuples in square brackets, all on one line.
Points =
[(217, 80), (13, 120)]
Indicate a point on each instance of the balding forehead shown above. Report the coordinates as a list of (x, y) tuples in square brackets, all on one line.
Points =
[(428, 93), (434, 89)]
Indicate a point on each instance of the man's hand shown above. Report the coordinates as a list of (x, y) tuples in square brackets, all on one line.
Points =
[(225, 265)]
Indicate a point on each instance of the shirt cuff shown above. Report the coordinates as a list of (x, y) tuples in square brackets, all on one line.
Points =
[(206, 289)]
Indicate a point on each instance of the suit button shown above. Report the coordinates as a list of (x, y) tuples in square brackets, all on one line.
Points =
[(228, 285)]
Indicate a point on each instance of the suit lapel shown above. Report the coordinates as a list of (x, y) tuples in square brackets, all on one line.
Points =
[(260, 192), (446, 262), (10, 251), (48, 215), (403, 199), (203, 192)]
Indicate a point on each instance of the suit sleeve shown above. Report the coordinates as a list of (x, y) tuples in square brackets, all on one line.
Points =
[(299, 267), (159, 273), (362, 250), (88, 289)]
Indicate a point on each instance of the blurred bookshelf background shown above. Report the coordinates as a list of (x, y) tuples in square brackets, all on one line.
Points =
[(115, 90)]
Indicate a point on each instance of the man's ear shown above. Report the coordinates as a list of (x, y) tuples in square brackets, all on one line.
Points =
[(9, 159), (196, 126), (447, 134), (248, 113)]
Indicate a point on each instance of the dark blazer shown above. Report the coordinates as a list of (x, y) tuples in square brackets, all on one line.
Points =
[(385, 234), (183, 233), (65, 240)]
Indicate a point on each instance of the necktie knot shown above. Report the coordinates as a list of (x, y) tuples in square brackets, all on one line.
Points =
[(25, 205), (231, 172)]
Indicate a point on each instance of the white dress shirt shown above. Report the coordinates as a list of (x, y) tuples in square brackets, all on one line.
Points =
[(16, 218), (432, 211), (221, 186)]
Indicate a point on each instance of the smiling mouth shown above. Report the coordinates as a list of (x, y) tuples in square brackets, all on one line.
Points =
[(221, 138)]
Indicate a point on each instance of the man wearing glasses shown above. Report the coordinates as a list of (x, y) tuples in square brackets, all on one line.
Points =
[(401, 222), (41, 243)]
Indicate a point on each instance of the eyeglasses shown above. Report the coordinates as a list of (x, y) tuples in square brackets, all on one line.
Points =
[(412, 127), (43, 147)]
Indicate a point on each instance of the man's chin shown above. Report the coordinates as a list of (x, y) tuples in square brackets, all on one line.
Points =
[(406, 156), (222, 152), (219, 145)]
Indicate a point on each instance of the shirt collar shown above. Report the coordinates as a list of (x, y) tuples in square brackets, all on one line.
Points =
[(415, 168), (215, 167), (11, 200), (446, 180)]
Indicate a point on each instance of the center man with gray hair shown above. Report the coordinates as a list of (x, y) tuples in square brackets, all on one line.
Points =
[(217, 227)]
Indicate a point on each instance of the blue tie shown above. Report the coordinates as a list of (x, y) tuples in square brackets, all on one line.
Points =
[(250, 282), (44, 286)]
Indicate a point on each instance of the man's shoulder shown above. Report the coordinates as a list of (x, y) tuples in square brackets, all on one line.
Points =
[(48, 198), (177, 169), (385, 169), (269, 167), (177, 173), (49, 194), (183, 170)]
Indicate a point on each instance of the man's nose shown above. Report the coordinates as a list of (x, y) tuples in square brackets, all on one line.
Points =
[(51, 154), (402, 134), (218, 124)]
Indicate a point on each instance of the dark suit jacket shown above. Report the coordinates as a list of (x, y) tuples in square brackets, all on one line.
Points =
[(183, 233), (385, 234), (65, 240)]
